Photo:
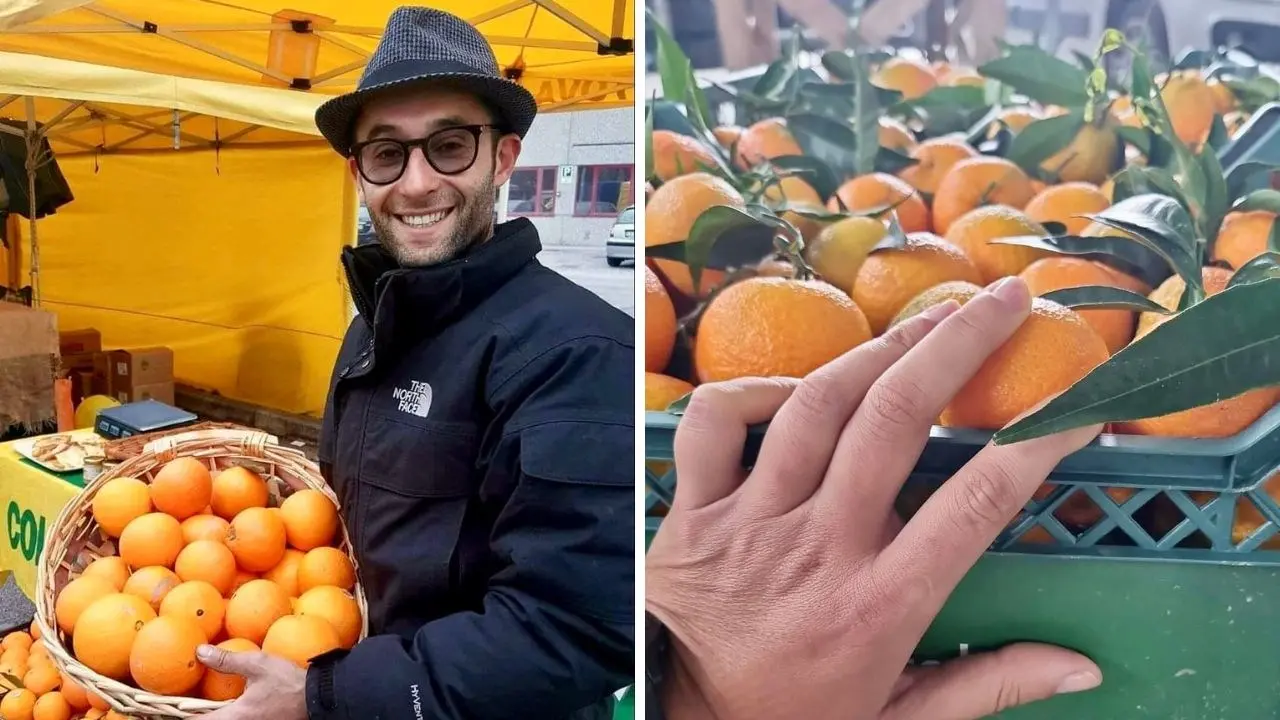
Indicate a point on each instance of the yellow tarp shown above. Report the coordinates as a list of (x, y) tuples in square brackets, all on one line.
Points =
[(253, 42)]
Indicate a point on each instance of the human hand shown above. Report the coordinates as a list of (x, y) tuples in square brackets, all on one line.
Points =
[(795, 590), (275, 689)]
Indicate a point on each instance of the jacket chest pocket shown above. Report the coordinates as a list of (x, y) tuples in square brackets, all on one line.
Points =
[(415, 482)]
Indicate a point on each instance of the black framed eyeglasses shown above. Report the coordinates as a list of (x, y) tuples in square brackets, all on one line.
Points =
[(449, 151)]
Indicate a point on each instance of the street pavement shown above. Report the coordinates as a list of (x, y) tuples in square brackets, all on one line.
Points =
[(583, 265), (587, 267)]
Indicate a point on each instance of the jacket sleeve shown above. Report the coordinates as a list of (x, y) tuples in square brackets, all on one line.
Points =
[(556, 630)]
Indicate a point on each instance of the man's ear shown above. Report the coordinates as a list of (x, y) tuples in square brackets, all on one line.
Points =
[(504, 162)]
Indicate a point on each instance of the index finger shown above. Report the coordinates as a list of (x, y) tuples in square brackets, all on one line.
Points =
[(961, 520)]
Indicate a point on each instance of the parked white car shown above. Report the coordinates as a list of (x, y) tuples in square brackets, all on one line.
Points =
[(621, 244)]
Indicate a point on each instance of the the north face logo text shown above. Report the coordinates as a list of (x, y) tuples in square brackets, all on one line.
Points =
[(415, 400)]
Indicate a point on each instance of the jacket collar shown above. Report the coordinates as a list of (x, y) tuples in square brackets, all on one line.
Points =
[(398, 301)]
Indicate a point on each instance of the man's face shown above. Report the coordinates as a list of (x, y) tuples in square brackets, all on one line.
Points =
[(427, 217)]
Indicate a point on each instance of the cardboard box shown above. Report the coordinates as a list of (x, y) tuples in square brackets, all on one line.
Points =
[(102, 373), (138, 367), (28, 362), (73, 363), (80, 342), (160, 392)]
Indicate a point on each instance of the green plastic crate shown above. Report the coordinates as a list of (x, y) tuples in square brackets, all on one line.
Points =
[(1180, 617)]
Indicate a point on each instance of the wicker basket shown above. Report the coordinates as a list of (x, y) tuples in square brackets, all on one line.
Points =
[(74, 540)]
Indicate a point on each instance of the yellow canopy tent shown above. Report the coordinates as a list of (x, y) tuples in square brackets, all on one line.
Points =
[(208, 213)]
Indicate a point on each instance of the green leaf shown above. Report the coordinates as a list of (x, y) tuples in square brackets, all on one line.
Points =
[(648, 141), (774, 81), (1040, 76), (1143, 180), (676, 74), (817, 173), (680, 404), (1216, 202), (866, 119), (951, 97), (1121, 253), (1102, 297), (839, 65), (813, 213), (1043, 139), (831, 141), (1054, 228), (13, 680), (1138, 137), (1263, 267), (1160, 223), (891, 161), (894, 238), (1266, 199), (1218, 134), (1219, 348), (736, 236), (668, 251)]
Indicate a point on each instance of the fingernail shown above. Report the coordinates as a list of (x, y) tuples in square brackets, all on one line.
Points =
[(204, 652), (937, 313), (1078, 682), (1011, 290)]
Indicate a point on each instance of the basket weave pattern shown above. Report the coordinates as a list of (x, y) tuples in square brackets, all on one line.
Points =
[(74, 541)]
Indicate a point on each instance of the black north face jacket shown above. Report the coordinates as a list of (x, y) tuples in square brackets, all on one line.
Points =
[(480, 435)]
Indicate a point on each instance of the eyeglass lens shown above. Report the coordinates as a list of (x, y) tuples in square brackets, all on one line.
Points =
[(449, 151)]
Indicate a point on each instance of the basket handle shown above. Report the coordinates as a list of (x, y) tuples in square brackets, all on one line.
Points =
[(255, 442)]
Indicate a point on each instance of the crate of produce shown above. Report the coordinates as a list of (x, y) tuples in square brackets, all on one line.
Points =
[(225, 539), (1154, 549)]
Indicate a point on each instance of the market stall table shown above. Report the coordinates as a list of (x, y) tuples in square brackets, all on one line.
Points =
[(32, 498)]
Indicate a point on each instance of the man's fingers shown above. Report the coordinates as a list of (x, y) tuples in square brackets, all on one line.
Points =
[(959, 521), (981, 685), (236, 663), (797, 449), (710, 438), (878, 449)]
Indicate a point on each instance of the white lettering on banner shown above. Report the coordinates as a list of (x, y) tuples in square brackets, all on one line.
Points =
[(415, 399), (417, 701)]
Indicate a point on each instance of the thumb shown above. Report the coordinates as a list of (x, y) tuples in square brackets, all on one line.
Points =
[(245, 664), (979, 685)]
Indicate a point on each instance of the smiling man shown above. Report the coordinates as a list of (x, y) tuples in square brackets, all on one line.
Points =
[(480, 426)]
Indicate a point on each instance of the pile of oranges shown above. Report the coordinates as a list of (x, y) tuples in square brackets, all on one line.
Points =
[(775, 320), (193, 558)]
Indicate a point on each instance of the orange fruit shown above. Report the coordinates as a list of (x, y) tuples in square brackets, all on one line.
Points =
[(257, 539), (1224, 100), (765, 140), (675, 154), (978, 182), (727, 135), (41, 679), (934, 158), (669, 216), (18, 704), (207, 560), (118, 502), (1052, 349), (662, 390), (1191, 105), (106, 630), (910, 77), (254, 607), (326, 566), (223, 686), (204, 527), (659, 323), (163, 659), (335, 606), (299, 638), (964, 78), (73, 693), (35, 629), (235, 489), (97, 702), (1064, 203), (893, 134), (839, 251), (152, 539), (793, 191), (310, 519), (111, 568), (17, 639), (285, 574), (51, 706), (767, 326), (1243, 236), (182, 488), (78, 595), (1090, 156), (1018, 118), (199, 601), (1169, 295), (152, 584), (242, 577), (974, 232), (1115, 327), (889, 279), (876, 190)]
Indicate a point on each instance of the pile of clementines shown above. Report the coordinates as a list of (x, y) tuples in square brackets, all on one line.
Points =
[(192, 558), (951, 204)]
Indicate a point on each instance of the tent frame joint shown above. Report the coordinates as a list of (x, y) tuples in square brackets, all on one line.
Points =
[(617, 46), (150, 27)]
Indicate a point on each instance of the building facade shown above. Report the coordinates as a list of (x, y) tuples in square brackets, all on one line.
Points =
[(575, 174)]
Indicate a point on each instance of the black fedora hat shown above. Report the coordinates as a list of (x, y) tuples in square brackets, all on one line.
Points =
[(427, 46)]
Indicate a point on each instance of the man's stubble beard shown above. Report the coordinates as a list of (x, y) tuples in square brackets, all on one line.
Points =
[(474, 225)]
